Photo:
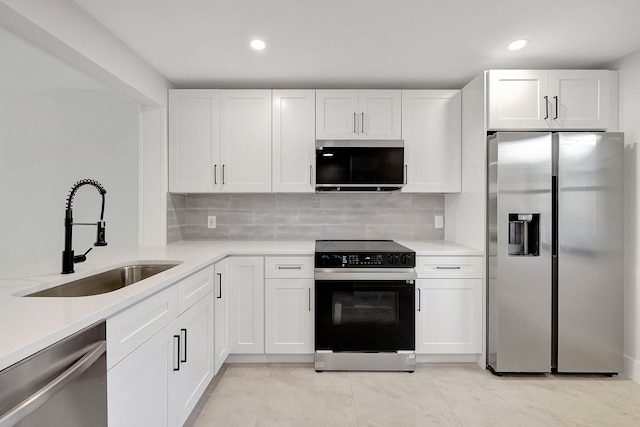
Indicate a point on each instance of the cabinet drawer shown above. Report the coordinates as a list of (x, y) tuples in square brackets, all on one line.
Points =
[(129, 329), (469, 267), (193, 288), (300, 267)]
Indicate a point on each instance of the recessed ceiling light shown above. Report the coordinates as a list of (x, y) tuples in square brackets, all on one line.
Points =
[(258, 44), (518, 44)]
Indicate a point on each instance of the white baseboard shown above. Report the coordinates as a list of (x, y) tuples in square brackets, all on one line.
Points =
[(631, 369), (308, 358), (446, 358), (270, 358)]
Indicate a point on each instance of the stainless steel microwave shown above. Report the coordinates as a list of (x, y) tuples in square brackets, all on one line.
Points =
[(360, 165)]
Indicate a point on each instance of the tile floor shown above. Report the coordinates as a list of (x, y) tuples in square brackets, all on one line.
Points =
[(295, 395)]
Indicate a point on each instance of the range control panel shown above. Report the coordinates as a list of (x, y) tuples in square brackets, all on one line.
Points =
[(355, 260)]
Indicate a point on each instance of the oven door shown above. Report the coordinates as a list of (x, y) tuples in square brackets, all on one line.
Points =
[(365, 315)]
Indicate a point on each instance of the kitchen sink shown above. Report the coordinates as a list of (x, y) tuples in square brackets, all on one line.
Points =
[(107, 281)]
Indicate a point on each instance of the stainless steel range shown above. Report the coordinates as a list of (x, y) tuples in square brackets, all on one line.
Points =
[(365, 306)]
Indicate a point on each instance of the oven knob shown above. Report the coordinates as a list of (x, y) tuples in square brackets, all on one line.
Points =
[(405, 259), (324, 259), (393, 259)]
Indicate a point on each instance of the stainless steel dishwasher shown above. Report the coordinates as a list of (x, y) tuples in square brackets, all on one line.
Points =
[(64, 384)]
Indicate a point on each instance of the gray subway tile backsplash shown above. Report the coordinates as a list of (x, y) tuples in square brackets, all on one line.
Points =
[(304, 216)]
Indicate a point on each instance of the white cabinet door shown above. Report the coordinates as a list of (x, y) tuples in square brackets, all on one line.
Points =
[(449, 316), (579, 99), (548, 99), (293, 141), (336, 114), (353, 114), (138, 391), (194, 140), (246, 305), (431, 128), (196, 358), (246, 141), (221, 324), (380, 114), (518, 99), (289, 316)]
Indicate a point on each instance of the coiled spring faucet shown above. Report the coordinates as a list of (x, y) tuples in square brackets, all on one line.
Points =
[(68, 259)]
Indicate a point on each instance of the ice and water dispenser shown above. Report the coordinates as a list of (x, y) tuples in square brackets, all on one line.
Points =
[(524, 234)]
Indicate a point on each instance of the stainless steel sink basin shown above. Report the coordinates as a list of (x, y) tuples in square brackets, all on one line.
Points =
[(107, 281)]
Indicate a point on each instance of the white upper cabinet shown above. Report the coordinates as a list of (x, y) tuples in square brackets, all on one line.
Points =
[(194, 140), (358, 114), (431, 128), (543, 99), (246, 141), (219, 140), (293, 141)]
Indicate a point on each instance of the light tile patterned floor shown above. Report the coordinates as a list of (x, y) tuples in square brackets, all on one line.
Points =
[(294, 395)]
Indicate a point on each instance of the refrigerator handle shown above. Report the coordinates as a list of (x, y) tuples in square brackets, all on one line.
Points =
[(554, 216)]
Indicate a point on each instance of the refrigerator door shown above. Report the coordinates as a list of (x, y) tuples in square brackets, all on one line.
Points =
[(520, 220), (590, 252)]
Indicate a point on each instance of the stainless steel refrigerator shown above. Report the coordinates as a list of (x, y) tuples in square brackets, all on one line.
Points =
[(555, 245)]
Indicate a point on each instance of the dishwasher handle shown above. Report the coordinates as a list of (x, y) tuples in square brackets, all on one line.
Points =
[(37, 399)]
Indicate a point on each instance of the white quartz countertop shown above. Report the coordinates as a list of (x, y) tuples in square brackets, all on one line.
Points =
[(28, 325)]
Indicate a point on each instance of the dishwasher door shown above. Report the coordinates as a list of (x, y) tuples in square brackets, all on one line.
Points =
[(63, 385)]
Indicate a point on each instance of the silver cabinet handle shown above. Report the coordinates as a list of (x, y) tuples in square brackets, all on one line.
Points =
[(309, 299), (215, 174), (406, 174), (223, 175), (354, 123), (457, 267), (220, 285), (362, 128), (557, 113), (546, 107), (419, 300), (310, 174), (289, 267), (41, 396)]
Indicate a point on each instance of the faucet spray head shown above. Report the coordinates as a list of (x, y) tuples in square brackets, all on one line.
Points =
[(100, 239)]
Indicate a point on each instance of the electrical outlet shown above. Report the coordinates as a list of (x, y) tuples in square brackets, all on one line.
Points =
[(211, 221), (439, 221)]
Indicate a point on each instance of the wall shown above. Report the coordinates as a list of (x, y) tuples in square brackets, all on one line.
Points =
[(49, 139), (68, 32), (629, 93), (305, 216)]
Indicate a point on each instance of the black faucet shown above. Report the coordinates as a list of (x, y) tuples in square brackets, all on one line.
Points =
[(68, 259)]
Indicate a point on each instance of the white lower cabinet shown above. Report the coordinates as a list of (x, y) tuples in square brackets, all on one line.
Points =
[(221, 302), (159, 382), (449, 305), (138, 386), (246, 305), (194, 369), (289, 305)]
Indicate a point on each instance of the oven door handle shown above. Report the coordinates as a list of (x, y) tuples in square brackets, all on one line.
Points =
[(379, 274), (41, 396)]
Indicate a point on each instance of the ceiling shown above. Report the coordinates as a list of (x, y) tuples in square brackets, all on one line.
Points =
[(365, 43)]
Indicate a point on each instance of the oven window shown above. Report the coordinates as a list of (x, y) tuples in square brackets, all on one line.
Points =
[(365, 315), (376, 308)]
